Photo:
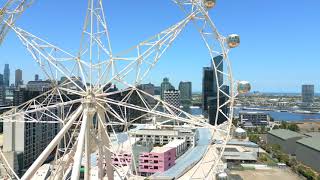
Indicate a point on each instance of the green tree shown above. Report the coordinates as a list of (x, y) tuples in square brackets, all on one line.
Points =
[(254, 138), (293, 127), (283, 125)]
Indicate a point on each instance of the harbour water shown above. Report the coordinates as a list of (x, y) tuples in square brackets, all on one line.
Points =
[(278, 116), (286, 116)]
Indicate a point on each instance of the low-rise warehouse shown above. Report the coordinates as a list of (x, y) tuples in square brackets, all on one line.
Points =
[(285, 138), (308, 151)]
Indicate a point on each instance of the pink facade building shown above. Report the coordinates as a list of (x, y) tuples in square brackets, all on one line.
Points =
[(159, 159), (122, 159)]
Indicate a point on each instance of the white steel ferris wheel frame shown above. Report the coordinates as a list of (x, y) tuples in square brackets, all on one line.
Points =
[(88, 75)]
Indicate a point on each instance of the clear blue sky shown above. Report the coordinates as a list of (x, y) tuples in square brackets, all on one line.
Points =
[(280, 39)]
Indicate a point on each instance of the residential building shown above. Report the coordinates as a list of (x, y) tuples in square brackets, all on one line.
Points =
[(254, 119), (164, 136), (285, 138), (149, 89), (24, 142), (159, 159), (180, 145), (173, 98), (165, 86), (307, 94), (18, 78), (40, 86), (121, 159), (185, 89)]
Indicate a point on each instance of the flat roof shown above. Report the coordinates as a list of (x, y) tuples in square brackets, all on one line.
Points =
[(285, 134), (311, 142), (175, 143), (313, 134), (242, 143), (156, 132), (160, 149)]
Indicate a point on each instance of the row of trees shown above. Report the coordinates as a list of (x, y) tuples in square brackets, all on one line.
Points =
[(286, 125), (275, 151)]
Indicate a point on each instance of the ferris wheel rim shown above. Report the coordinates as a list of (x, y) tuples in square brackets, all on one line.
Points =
[(225, 53)]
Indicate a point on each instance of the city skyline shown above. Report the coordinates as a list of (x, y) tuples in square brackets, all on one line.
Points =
[(264, 65), (25, 81)]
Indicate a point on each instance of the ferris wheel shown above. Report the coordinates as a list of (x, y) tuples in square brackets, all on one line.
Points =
[(9, 12), (100, 117)]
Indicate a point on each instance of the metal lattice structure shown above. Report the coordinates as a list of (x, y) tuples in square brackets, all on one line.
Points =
[(90, 110), (9, 13)]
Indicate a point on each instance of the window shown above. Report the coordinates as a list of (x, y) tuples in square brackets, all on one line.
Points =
[(155, 167)]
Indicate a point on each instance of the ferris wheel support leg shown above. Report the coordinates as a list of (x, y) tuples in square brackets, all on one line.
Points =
[(106, 142), (44, 155), (78, 155), (87, 149)]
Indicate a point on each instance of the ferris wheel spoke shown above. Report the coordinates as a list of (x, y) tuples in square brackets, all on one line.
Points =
[(44, 155), (144, 56), (6, 167), (159, 113), (46, 108), (95, 44), (53, 61), (9, 13)]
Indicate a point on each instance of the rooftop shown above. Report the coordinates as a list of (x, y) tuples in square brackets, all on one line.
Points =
[(175, 143), (285, 134), (242, 143), (160, 149), (313, 134), (311, 142)]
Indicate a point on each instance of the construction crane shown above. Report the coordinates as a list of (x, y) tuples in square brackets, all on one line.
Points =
[(9, 12)]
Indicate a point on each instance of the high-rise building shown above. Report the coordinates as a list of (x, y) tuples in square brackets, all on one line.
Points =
[(185, 89), (149, 89), (6, 75), (307, 94), (36, 77), (2, 91), (172, 97), (218, 61), (1, 80), (24, 142), (2, 95), (18, 77), (213, 107), (165, 86), (210, 83), (157, 90)]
